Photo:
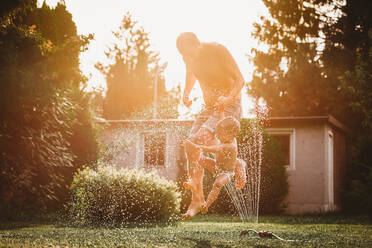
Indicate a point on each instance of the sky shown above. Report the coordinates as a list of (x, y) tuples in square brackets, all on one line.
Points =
[(229, 22)]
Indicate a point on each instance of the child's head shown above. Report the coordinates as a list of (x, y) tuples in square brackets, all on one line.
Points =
[(227, 129)]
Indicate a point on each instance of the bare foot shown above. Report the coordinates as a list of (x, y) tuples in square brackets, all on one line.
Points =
[(194, 209), (240, 174), (188, 185), (204, 208), (187, 215)]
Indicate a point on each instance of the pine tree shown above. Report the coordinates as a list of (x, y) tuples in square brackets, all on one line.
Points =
[(131, 76), (41, 107), (319, 62)]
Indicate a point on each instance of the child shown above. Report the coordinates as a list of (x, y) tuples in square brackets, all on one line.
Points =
[(223, 168)]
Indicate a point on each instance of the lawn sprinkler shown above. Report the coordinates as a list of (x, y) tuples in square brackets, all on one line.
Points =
[(263, 234)]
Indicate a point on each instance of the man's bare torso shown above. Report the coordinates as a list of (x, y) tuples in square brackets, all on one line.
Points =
[(212, 70)]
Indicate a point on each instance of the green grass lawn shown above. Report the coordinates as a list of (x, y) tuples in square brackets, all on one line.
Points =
[(201, 231)]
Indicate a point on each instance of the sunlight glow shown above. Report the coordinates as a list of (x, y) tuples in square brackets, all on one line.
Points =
[(222, 21)]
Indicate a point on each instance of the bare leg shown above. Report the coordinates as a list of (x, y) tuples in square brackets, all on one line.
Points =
[(194, 153), (221, 180), (196, 172), (208, 163), (197, 197), (240, 174), (205, 163)]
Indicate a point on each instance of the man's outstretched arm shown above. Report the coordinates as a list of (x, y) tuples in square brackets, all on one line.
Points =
[(190, 82), (212, 148)]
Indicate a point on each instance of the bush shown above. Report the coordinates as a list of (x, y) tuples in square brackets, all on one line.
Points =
[(357, 192), (122, 196), (274, 178)]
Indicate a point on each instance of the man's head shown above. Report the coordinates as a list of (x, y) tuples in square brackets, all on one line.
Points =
[(188, 44), (227, 129)]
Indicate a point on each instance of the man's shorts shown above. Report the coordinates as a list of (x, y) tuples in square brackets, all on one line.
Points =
[(209, 117)]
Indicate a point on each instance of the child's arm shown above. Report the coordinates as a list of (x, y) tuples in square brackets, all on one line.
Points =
[(219, 148), (213, 148)]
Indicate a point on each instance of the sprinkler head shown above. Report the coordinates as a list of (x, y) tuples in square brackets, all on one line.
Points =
[(244, 232), (265, 234)]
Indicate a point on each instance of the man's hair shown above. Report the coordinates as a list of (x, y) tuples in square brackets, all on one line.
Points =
[(187, 39), (230, 125)]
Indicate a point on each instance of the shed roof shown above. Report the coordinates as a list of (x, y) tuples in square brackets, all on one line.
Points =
[(329, 119), (282, 120)]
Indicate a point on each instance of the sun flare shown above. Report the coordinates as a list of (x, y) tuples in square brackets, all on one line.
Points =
[(225, 22)]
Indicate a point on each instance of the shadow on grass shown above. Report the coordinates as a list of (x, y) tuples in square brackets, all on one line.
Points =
[(326, 218), (215, 217), (201, 243), (16, 225), (68, 222), (19, 222)]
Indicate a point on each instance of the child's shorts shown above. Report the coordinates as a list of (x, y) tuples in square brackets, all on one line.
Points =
[(229, 174), (209, 117)]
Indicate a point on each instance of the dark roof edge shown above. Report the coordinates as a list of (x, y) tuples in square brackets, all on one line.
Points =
[(152, 121), (338, 124), (326, 118)]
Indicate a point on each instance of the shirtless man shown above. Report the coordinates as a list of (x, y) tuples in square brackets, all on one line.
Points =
[(221, 82)]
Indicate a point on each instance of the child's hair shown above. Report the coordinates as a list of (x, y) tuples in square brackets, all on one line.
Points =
[(229, 125)]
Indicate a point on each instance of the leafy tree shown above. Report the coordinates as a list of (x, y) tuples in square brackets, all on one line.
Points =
[(318, 62), (313, 47), (348, 57), (357, 84), (131, 76), (10, 8), (289, 76), (40, 120)]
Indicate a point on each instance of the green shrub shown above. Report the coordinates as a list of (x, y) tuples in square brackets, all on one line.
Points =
[(274, 178), (357, 191), (121, 196)]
